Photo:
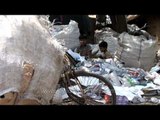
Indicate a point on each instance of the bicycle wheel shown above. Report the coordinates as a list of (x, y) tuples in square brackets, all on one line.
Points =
[(90, 89)]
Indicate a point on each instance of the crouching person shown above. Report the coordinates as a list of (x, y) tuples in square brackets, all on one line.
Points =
[(84, 49), (102, 52)]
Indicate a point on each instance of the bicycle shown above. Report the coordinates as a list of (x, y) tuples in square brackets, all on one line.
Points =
[(75, 83)]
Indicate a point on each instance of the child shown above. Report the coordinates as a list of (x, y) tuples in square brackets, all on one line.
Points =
[(84, 49), (103, 51)]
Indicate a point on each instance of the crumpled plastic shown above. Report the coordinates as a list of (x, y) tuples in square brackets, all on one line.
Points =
[(26, 39)]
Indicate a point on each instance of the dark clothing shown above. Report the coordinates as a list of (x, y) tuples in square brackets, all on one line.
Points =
[(119, 23), (101, 18), (83, 23)]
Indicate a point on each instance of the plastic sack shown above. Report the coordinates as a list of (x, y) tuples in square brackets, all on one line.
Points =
[(25, 39), (137, 51), (67, 35)]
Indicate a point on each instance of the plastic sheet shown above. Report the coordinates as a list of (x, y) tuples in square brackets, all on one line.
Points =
[(25, 39)]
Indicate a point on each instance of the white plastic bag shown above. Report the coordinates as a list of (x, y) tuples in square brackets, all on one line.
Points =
[(67, 35), (25, 39), (136, 51)]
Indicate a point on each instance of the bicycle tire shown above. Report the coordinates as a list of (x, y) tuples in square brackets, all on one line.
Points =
[(82, 101)]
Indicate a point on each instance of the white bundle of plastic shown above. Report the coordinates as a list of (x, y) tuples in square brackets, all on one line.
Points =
[(25, 39), (137, 51), (67, 35)]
